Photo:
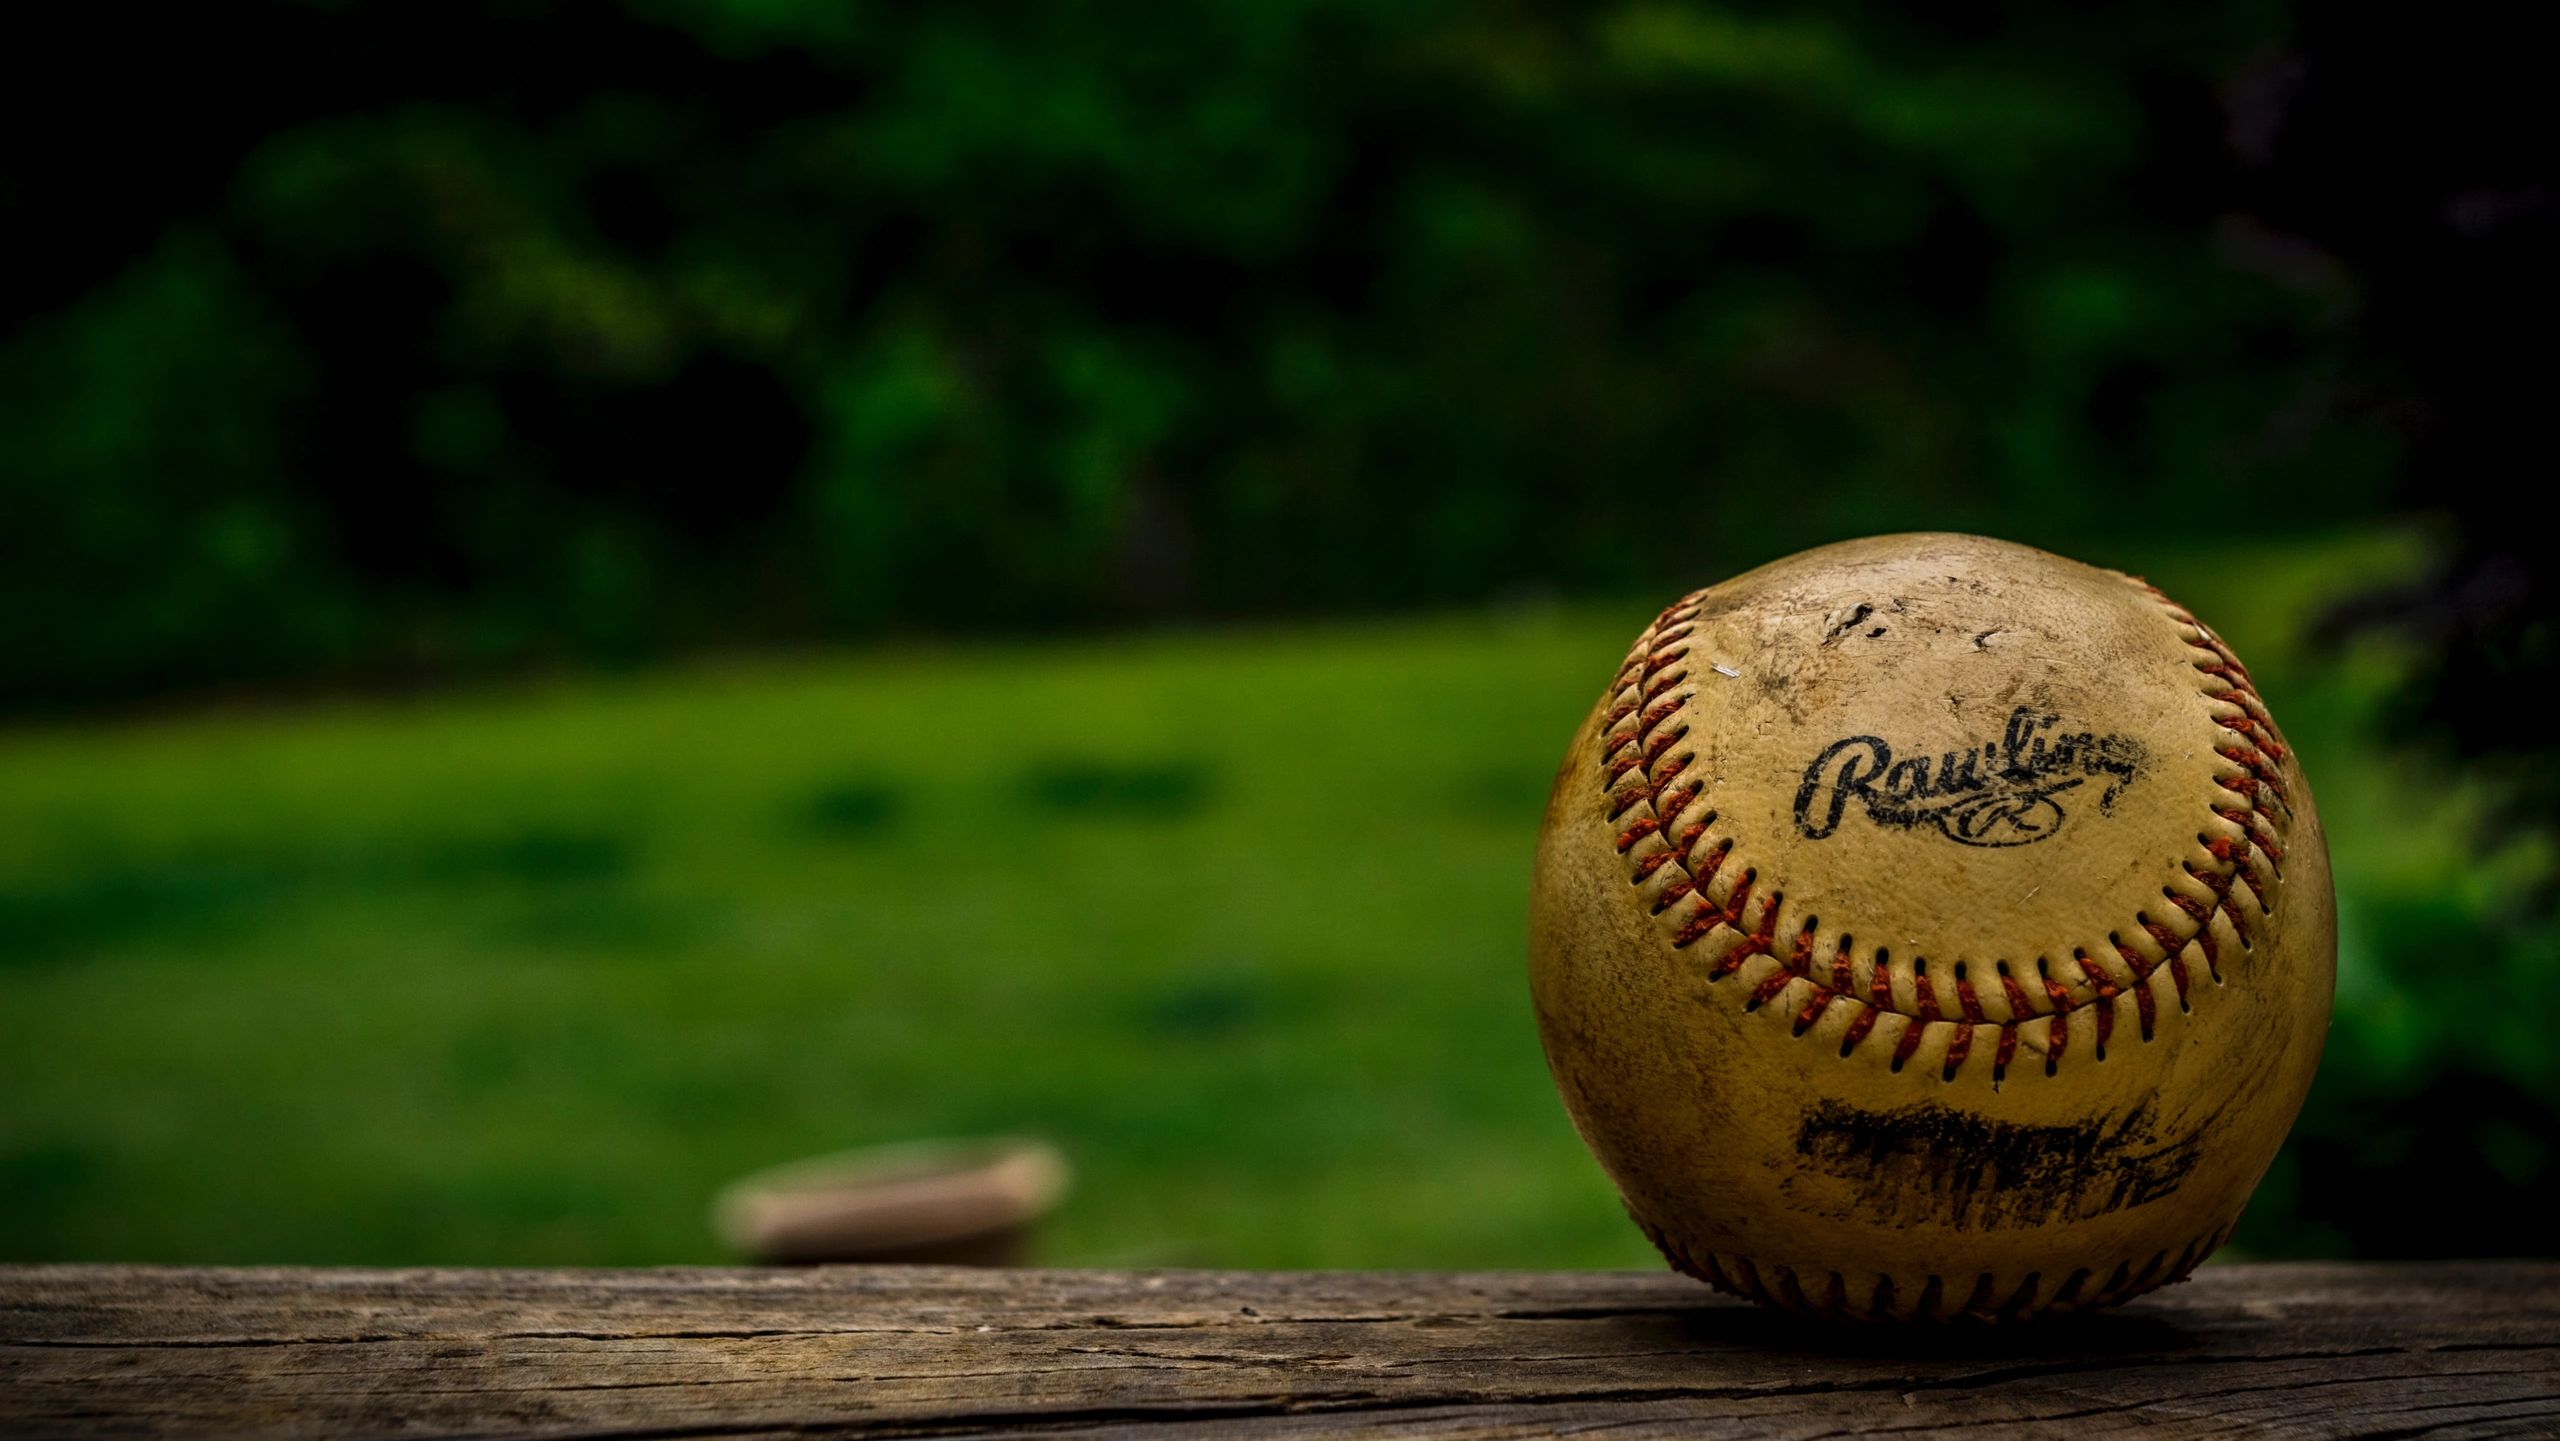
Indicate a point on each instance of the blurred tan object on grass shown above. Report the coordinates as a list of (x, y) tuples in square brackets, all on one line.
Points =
[(955, 1202)]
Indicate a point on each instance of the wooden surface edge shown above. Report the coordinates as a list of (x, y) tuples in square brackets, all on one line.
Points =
[(2322, 1349)]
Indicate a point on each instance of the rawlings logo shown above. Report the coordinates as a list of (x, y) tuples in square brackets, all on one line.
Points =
[(2000, 792)]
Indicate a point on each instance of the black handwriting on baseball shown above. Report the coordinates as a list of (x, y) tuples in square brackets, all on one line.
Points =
[(2002, 792)]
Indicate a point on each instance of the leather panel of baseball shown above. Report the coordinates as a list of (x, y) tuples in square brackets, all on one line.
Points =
[(1928, 926)]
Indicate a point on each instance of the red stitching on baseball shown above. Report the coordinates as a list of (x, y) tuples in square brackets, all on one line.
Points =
[(2053, 990), (1958, 1046), (2257, 749), (1767, 990), (1858, 1028), (1678, 801), (1654, 748), (1813, 1009), (2018, 1007)]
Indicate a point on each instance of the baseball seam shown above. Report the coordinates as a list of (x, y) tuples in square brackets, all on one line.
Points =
[(1772, 1284), (1664, 832)]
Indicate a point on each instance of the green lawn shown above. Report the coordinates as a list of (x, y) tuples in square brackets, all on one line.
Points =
[(523, 977)]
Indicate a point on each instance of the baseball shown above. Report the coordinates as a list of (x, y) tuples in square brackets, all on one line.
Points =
[(1930, 927)]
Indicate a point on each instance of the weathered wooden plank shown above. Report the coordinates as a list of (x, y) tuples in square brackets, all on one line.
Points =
[(2318, 1350)]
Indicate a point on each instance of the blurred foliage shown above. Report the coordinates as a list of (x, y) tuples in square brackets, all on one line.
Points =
[(526, 977), (368, 343), (434, 337)]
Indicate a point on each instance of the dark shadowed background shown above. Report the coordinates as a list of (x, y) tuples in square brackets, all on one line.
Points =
[(596, 596)]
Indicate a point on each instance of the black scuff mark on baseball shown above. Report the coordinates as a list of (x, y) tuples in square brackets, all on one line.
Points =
[(1927, 1163), (1840, 628)]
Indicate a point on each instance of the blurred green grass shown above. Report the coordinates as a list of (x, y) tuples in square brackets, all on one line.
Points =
[(523, 977)]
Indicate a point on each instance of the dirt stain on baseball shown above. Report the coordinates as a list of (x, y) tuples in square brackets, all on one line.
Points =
[(1926, 1163)]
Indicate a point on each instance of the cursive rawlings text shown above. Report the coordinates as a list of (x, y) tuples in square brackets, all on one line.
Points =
[(2002, 792)]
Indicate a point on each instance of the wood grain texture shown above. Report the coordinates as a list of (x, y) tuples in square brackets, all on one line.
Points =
[(2452, 1350)]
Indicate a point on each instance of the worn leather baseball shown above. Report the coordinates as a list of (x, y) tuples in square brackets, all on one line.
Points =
[(1927, 927)]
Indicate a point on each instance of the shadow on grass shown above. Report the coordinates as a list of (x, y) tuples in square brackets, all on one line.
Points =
[(848, 810), (121, 899), (1160, 790)]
